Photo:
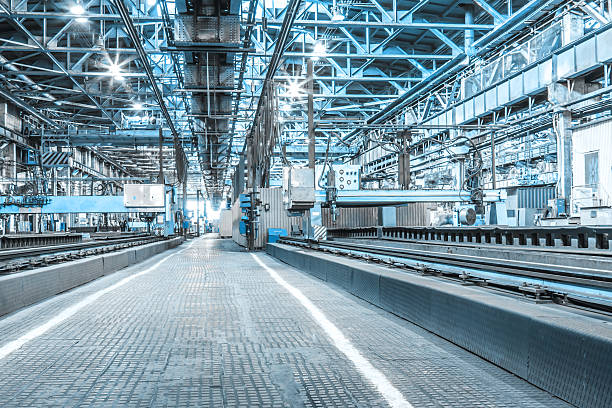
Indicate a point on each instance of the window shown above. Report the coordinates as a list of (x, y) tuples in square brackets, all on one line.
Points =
[(591, 169)]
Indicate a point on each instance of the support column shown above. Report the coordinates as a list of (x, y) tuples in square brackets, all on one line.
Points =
[(403, 160), (403, 168), (493, 172), (469, 34), (161, 157), (564, 157), (184, 207), (311, 130), (198, 213)]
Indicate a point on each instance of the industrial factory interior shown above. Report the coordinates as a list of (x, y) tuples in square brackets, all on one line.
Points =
[(306, 203)]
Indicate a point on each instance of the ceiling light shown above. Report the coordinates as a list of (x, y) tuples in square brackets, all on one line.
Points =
[(77, 9), (337, 15), (294, 89), (137, 106), (319, 49), (115, 72)]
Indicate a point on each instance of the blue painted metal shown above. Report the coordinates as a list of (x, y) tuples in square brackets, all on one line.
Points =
[(274, 234), (362, 198), (79, 204)]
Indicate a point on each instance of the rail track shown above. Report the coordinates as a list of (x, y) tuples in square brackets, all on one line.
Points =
[(15, 260), (542, 281)]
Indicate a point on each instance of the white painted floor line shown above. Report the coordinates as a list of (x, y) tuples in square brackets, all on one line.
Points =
[(393, 396), (72, 310)]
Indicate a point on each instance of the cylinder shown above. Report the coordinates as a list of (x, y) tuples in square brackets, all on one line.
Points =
[(467, 216)]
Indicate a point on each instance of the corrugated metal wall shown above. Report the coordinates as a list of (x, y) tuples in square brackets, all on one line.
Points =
[(350, 217), (414, 214), (534, 197), (236, 214), (275, 217), (589, 139), (225, 223)]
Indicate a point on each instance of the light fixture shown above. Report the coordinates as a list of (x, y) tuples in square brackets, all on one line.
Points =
[(79, 10), (294, 89), (336, 12), (319, 49), (115, 72), (337, 15), (137, 106)]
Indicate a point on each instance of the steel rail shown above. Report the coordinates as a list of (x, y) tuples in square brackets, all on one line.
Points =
[(562, 251), (9, 254), (554, 273)]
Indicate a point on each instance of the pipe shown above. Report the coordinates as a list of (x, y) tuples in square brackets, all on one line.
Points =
[(469, 34)]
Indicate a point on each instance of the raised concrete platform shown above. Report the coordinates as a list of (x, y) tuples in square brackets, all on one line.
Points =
[(25, 288), (206, 325), (565, 353)]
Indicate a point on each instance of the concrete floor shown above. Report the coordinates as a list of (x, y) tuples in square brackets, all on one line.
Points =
[(209, 326)]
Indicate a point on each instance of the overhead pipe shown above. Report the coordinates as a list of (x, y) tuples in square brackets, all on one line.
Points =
[(180, 156), (12, 67), (279, 49), (26, 107), (529, 11)]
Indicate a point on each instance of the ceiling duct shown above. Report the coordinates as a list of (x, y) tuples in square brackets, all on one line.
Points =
[(208, 34)]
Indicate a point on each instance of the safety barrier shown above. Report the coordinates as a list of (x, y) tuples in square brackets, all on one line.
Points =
[(25, 288), (564, 353)]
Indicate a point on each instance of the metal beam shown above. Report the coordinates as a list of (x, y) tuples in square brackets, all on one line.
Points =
[(497, 16), (131, 30), (42, 48), (417, 25), (6, 94)]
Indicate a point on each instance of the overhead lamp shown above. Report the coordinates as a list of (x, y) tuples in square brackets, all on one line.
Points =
[(79, 10), (337, 15), (319, 49), (336, 12), (294, 89), (115, 72), (137, 106)]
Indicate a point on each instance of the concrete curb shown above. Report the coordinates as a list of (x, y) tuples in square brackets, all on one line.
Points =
[(564, 353), (26, 288)]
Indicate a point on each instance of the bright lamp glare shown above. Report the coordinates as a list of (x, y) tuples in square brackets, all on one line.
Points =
[(77, 9), (319, 48), (115, 72), (137, 106), (337, 15), (294, 89)]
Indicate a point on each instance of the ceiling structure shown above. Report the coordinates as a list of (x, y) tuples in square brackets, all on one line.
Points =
[(74, 67)]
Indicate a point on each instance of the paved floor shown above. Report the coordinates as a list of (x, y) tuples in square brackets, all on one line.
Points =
[(211, 327)]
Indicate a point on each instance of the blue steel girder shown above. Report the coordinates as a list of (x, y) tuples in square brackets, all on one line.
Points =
[(392, 22), (49, 28)]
